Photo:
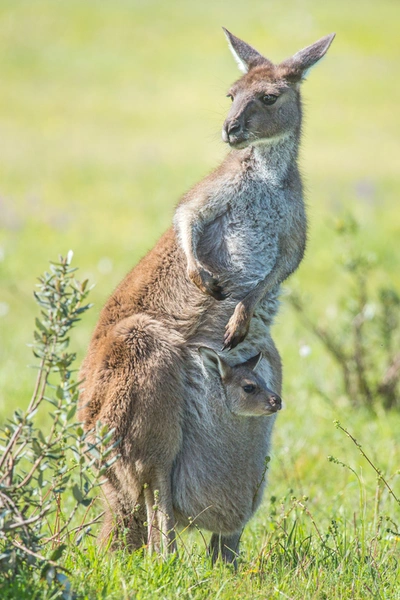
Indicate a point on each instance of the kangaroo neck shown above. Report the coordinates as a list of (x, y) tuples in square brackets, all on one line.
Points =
[(273, 159)]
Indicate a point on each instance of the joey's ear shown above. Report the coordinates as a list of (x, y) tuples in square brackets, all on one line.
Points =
[(253, 362), (297, 66), (214, 363), (245, 56)]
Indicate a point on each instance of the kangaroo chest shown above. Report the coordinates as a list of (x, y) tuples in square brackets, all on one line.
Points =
[(243, 242)]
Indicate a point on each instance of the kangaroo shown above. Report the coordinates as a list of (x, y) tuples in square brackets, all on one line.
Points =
[(248, 217), (147, 416), (245, 226)]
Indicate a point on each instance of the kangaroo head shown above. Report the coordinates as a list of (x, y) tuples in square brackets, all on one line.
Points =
[(247, 392), (266, 99)]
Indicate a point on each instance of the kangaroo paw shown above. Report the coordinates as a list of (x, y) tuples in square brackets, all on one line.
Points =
[(207, 283), (237, 327)]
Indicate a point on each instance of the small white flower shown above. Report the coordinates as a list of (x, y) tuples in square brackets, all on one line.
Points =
[(331, 311), (4, 309), (304, 350), (369, 311)]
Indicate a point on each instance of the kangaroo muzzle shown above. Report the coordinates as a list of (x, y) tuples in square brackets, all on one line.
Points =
[(232, 132)]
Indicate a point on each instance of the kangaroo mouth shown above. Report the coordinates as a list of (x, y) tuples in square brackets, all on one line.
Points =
[(238, 142), (243, 141)]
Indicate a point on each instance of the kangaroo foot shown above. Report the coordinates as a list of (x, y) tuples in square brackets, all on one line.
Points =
[(226, 547)]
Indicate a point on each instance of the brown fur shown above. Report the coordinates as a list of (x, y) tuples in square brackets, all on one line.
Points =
[(143, 375)]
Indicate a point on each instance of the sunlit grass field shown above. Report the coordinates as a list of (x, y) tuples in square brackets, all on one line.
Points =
[(109, 111)]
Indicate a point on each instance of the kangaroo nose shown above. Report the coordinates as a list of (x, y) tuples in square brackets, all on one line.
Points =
[(230, 128), (234, 127), (275, 401)]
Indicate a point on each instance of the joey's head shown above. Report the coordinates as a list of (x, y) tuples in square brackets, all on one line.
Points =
[(266, 99), (247, 393)]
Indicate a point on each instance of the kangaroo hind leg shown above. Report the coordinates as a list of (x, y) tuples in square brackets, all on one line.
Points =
[(160, 515)]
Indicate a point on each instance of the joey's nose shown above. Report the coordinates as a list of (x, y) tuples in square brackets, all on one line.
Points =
[(275, 401)]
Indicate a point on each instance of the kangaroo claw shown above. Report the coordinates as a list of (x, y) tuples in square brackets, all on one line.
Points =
[(232, 340), (237, 327), (208, 284)]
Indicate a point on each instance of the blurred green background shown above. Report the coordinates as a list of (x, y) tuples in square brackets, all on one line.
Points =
[(109, 111)]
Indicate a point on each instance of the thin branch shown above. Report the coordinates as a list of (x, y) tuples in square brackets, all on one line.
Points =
[(9, 501), (359, 358), (390, 379), (37, 385), (39, 556), (36, 399), (306, 510), (29, 521), (377, 471), (83, 525)]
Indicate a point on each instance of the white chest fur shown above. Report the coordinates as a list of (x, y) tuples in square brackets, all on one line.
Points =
[(242, 244)]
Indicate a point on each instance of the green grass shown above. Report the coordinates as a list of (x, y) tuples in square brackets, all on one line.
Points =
[(323, 531), (109, 111)]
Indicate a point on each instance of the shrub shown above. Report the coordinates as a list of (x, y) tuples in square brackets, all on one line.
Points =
[(47, 486), (365, 340)]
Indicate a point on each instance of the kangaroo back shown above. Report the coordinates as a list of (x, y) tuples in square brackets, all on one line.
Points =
[(137, 389)]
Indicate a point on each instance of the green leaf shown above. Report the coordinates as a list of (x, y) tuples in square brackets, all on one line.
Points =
[(57, 553), (77, 493), (36, 448), (40, 325), (71, 413), (94, 452), (41, 436)]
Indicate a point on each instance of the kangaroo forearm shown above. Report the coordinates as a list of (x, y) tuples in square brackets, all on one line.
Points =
[(189, 225), (191, 218), (189, 237), (259, 291), (279, 273)]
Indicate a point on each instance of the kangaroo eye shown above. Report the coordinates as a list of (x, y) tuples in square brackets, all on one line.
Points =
[(230, 96), (269, 99), (249, 389)]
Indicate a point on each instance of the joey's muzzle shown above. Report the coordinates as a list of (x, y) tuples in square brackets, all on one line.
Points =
[(275, 402)]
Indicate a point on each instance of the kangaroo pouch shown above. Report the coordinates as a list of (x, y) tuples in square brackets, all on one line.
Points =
[(219, 473)]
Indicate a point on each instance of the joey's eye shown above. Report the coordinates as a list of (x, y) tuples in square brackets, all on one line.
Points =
[(230, 96), (249, 389), (269, 99)]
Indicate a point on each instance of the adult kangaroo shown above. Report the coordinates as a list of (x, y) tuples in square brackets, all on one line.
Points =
[(238, 234)]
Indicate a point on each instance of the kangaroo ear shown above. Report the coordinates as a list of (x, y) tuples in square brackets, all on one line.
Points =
[(245, 56), (214, 363), (297, 66), (253, 362)]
